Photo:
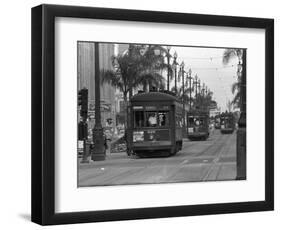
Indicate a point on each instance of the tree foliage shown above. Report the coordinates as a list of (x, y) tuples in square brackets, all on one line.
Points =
[(134, 69), (235, 88)]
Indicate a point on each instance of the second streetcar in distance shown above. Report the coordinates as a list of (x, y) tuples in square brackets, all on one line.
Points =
[(217, 122), (156, 124), (227, 123), (198, 125)]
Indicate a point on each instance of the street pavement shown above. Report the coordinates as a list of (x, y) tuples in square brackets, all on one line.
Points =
[(210, 160)]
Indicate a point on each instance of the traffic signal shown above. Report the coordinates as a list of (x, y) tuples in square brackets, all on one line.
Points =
[(82, 130), (83, 102)]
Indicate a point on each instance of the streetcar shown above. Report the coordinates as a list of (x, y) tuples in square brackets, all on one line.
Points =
[(156, 124), (227, 123), (217, 122), (198, 125)]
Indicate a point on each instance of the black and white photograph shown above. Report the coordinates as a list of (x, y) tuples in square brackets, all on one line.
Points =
[(141, 114), (158, 113)]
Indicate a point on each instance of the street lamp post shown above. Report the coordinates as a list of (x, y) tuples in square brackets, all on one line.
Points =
[(203, 90), (168, 69), (196, 82), (98, 137), (203, 95), (183, 99), (175, 68), (189, 78)]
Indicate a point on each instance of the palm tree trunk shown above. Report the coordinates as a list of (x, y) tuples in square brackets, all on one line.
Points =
[(127, 122)]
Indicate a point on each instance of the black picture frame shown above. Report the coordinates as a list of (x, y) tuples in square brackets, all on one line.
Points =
[(43, 114)]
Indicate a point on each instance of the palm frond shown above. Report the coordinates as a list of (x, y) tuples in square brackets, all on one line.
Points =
[(112, 78), (235, 87), (228, 54), (236, 100)]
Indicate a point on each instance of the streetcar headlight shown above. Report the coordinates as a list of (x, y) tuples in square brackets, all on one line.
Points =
[(138, 136)]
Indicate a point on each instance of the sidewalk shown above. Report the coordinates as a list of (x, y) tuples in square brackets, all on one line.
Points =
[(109, 158)]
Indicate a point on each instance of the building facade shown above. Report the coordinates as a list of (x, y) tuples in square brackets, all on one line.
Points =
[(86, 78)]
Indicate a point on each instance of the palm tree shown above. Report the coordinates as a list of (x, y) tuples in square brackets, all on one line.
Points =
[(204, 101), (237, 98), (135, 70), (227, 56), (229, 105)]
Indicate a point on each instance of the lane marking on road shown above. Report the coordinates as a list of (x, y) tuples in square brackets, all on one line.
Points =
[(216, 160), (184, 162)]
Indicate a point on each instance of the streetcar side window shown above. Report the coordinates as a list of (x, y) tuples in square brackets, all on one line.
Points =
[(190, 120), (139, 119)]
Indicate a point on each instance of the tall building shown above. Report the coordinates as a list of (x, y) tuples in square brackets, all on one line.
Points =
[(86, 78)]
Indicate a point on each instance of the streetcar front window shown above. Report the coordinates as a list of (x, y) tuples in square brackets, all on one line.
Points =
[(157, 118), (152, 118), (195, 121), (163, 118)]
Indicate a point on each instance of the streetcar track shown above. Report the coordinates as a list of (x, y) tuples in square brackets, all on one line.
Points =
[(213, 145), (225, 147), (216, 147)]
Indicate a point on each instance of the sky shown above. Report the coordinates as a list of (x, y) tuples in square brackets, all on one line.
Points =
[(207, 64)]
